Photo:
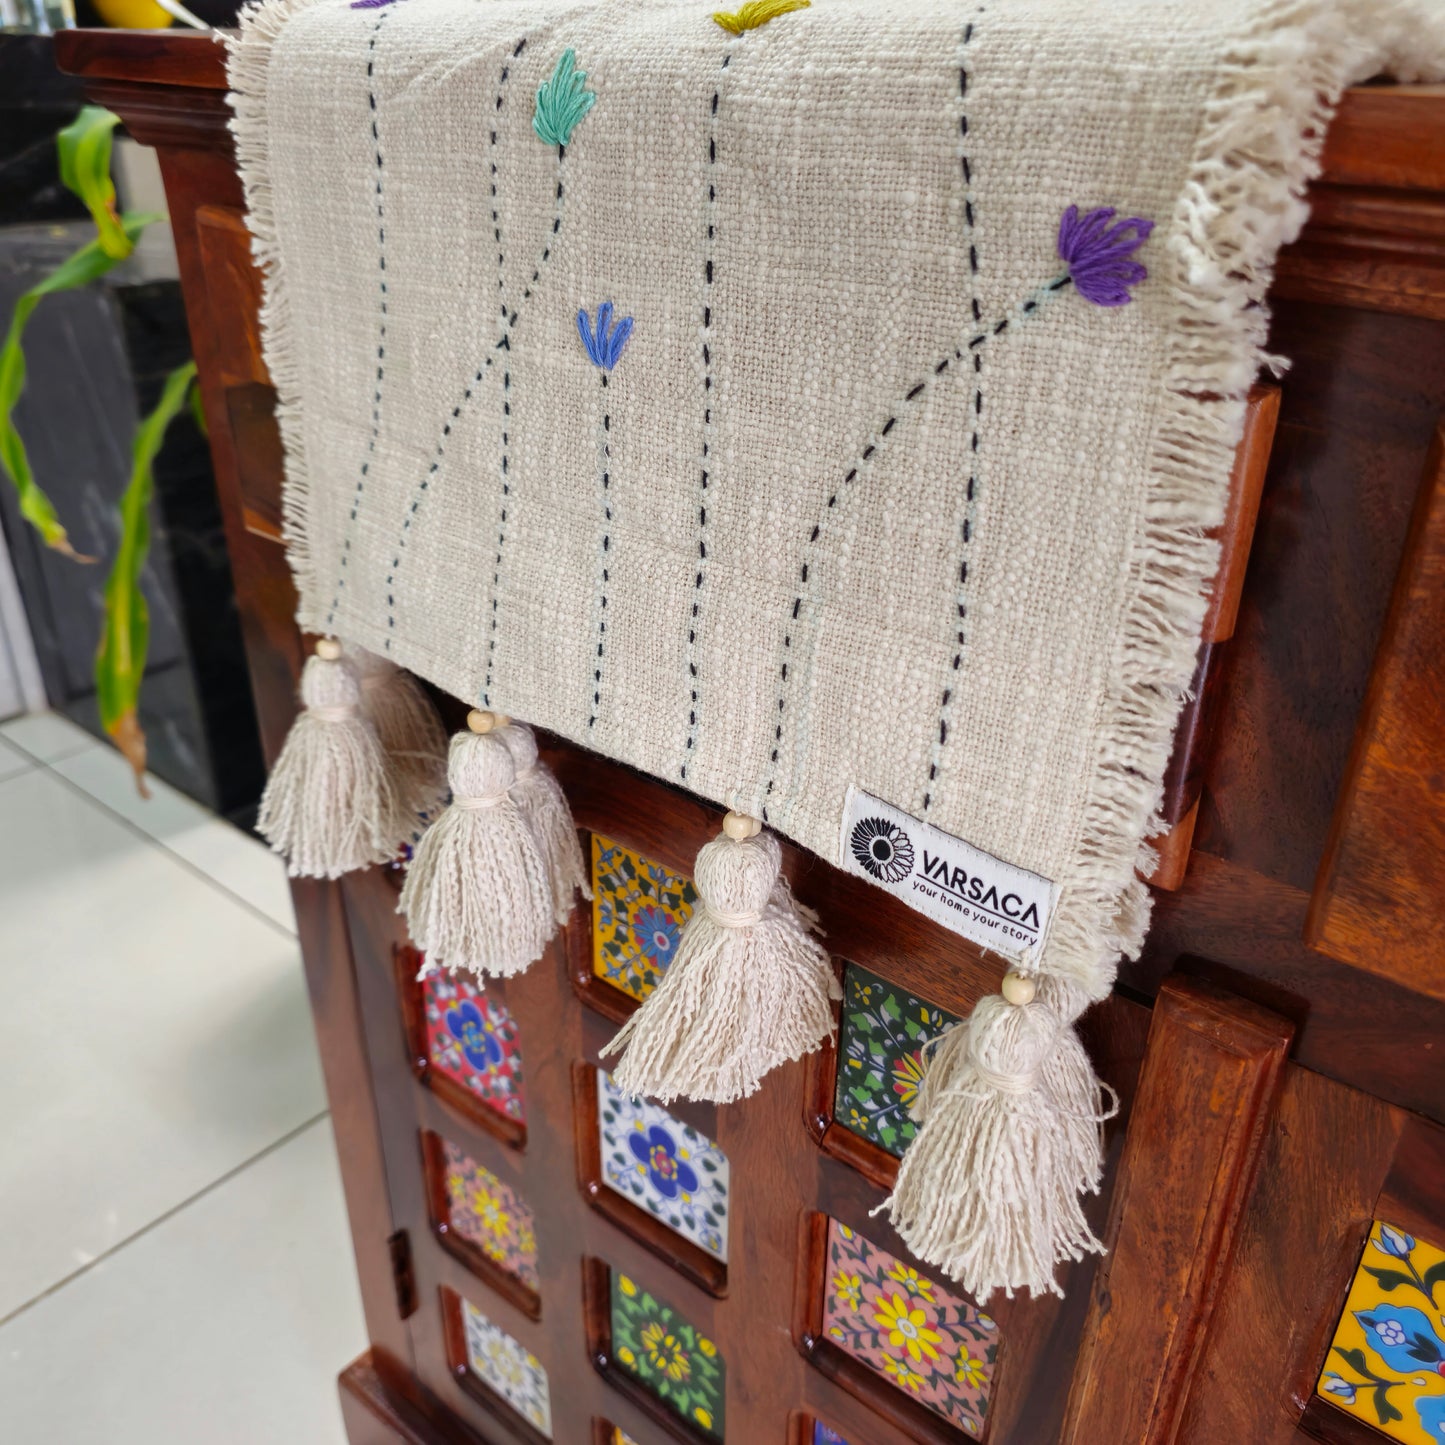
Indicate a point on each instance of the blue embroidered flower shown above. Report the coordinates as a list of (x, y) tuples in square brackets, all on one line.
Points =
[(1403, 1337), (1339, 1387), (1098, 254), (656, 1151), (655, 932), (1394, 1241), (605, 349), (467, 1026)]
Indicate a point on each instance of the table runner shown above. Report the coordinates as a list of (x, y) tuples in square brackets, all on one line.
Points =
[(819, 407)]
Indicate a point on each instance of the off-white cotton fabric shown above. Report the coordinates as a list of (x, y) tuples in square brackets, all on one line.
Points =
[(869, 187)]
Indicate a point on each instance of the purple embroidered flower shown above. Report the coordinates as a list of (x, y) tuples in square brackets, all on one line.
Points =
[(369, 4), (605, 349), (656, 1152), (1098, 253), (474, 1034)]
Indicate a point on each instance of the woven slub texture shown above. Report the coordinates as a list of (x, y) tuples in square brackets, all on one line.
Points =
[(790, 507)]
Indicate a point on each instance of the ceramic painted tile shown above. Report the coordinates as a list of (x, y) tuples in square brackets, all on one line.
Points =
[(822, 1435), (621, 1437), (472, 1039), (676, 1174), (1387, 1360), (507, 1367), (933, 1345), (885, 1031), (638, 909), (492, 1216), (667, 1356)]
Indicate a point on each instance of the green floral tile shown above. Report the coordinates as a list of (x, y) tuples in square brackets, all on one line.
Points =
[(638, 910), (884, 1034), (668, 1356), (1386, 1364)]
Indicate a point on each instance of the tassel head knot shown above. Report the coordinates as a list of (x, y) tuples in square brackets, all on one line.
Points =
[(479, 769), (521, 743), (735, 877), (331, 684)]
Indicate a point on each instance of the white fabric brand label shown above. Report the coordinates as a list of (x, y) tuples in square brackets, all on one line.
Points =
[(1001, 907)]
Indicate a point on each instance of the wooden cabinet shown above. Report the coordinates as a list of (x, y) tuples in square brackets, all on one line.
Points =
[(706, 1274)]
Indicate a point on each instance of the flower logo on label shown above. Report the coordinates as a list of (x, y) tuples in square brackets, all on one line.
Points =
[(474, 1034), (882, 849)]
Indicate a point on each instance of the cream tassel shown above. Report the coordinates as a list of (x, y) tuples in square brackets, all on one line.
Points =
[(749, 989), (1011, 1116), (411, 734), (330, 803), (476, 894), (544, 805)]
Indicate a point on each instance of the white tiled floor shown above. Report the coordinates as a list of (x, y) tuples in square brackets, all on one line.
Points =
[(174, 1261)]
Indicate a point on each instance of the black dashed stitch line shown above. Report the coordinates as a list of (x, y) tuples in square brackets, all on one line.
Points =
[(705, 464), (975, 346), (375, 428), (485, 369), (604, 458)]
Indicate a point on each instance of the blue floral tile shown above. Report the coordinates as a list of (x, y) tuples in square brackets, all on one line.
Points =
[(659, 1164), (1386, 1364), (472, 1039), (822, 1435)]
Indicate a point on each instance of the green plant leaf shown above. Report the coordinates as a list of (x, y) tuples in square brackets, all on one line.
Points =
[(1388, 1279), (125, 634), (1433, 1276), (78, 269), (562, 100), (84, 148)]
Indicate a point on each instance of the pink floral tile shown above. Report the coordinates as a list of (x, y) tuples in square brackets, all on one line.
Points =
[(472, 1039), (489, 1214), (933, 1345)]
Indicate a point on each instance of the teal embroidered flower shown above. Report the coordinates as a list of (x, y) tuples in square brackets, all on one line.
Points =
[(562, 101)]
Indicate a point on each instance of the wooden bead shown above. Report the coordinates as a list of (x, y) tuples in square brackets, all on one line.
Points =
[(1018, 989), (739, 826), (481, 722), (329, 649)]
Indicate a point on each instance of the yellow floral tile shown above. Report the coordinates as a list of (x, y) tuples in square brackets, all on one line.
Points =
[(1387, 1360), (638, 910)]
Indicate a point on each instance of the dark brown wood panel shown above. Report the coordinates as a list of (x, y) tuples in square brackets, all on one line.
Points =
[(1211, 1074), (1379, 902)]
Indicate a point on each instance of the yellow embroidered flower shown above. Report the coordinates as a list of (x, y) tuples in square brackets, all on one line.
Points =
[(848, 1288), (626, 1285), (907, 1329), (970, 1371), (665, 1352), (912, 1280), (901, 1372)]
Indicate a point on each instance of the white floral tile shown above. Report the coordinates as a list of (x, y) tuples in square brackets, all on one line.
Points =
[(676, 1174), (508, 1368)]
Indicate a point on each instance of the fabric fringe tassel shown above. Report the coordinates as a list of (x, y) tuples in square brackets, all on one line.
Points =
[(749, 988), (477, 892), (544, 805), (1010, 1136), (330, 804), (412, 736)]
